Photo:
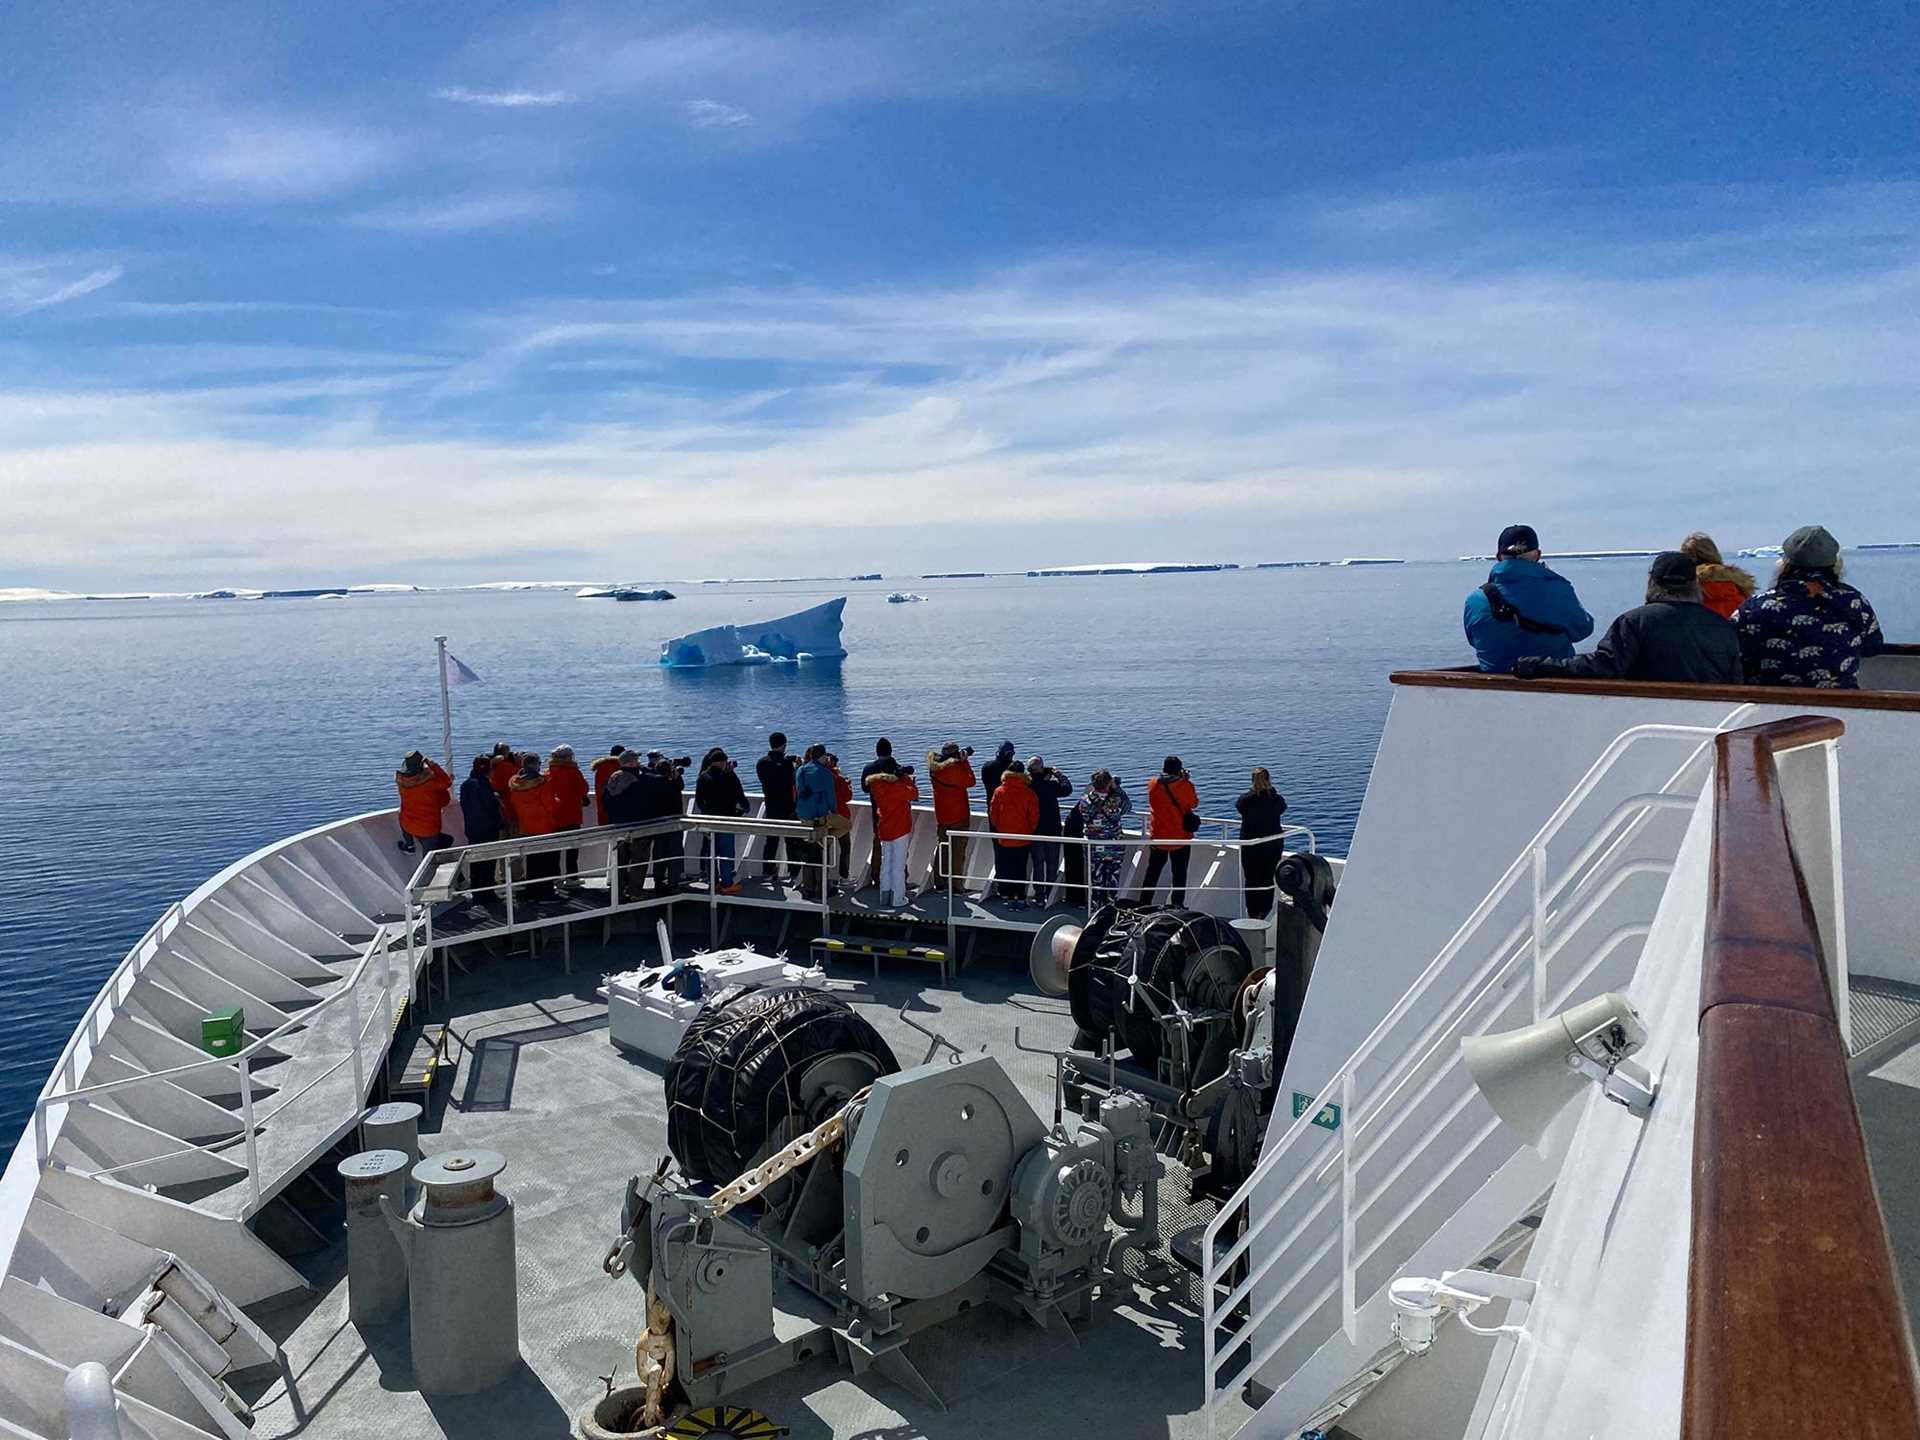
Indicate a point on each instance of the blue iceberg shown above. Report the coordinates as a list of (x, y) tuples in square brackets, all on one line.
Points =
[(806, 635)]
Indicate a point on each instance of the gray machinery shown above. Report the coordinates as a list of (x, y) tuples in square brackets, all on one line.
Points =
[(924, 1193), (1204, 1010)]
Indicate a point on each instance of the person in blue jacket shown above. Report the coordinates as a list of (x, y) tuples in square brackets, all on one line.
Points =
[(1524, 608)]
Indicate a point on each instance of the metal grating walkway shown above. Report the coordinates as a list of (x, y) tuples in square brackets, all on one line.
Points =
[(1883, 1012)]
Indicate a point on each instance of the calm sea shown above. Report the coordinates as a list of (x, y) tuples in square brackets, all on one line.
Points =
[(153, 742)]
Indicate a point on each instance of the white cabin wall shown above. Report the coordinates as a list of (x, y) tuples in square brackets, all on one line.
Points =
[(1464, 779)]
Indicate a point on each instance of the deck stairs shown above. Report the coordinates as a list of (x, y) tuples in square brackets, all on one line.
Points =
[(1418, 1171)]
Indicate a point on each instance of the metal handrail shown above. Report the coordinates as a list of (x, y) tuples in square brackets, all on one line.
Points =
[(1506, 959)]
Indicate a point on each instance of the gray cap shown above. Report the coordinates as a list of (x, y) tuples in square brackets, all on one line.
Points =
[(1811, 547)]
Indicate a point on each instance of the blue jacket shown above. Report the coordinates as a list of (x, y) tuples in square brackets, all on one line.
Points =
[(813, 794), (1538, 594)]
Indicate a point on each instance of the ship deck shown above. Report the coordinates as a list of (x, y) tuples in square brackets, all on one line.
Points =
[(535, 1077)]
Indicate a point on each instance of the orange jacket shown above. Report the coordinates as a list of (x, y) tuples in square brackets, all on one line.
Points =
[(569, 789), (1168, 802), (1014, 809), (501, 774), (1724, 588), (422, 798), (951, 781), (604, 770), (842, 796), (893, 797), (531, 799)]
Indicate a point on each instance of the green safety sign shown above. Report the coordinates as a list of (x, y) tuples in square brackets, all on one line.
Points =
[(1327, 1119)]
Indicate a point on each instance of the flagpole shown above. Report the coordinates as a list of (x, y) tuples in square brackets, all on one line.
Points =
[(446, 702)]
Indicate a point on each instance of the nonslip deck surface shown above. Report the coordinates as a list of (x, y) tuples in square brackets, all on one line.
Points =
[(537, 1080)]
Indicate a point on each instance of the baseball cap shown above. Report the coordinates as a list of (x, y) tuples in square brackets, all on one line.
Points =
[(1671, 570), (1811, 546), (1517, 539)]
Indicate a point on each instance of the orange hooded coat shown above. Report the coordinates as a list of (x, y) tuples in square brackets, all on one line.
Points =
[(422, 798), (569, 790), (1014, 809)]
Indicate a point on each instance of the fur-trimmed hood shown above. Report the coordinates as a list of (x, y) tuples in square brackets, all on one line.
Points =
[(1726, 574)]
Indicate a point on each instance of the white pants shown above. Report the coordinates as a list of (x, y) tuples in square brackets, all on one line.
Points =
[(893, 870)]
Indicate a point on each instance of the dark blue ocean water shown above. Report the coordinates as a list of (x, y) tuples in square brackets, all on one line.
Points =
[(153, 742)]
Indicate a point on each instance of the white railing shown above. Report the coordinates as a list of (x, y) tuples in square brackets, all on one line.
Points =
[(241, 1063), (1378, 1156)]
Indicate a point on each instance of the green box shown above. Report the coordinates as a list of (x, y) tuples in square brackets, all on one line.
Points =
[(224, 1032)]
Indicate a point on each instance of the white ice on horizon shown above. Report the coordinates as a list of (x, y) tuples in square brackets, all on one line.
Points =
[(812, 634)]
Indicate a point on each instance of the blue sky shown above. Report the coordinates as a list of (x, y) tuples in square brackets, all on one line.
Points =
[(468, 292)]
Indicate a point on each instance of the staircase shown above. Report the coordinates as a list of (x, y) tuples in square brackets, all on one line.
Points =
[(1400, 1166)]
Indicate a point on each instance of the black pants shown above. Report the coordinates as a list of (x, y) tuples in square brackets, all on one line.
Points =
[(542, 866), (1257, 864), (480, 875), (1010, 866), (1156, 862), (667, 855), (570, 864)]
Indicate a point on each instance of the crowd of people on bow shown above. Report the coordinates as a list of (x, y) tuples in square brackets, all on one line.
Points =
[(1036, 822), (1704, 621)]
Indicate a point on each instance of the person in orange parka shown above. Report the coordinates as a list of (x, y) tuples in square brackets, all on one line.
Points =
[(604, 769), (951, 774), (1724, 588), (1014, 811), (425, 790), (893, 796), (500, 775), (1175, 807), (530, 801), (569, 788)]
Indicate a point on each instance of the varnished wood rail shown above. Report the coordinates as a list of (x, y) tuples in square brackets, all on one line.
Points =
[(1795, 1322)]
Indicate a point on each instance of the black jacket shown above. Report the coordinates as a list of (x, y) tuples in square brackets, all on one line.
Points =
[(1050, 787), (991, 772), (1671, 640), (776, 783), (718, 791), (626, 798), (880, 765), (1260, 814), (660, 792), (480, 808)]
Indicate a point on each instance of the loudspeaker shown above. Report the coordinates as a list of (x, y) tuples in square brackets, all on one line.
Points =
[(1528, 1075), (1051, 954)]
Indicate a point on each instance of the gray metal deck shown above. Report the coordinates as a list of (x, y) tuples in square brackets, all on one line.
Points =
[(538, 1081)]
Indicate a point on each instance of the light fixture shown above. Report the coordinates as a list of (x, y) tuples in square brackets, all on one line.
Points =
[(1528, 1075)]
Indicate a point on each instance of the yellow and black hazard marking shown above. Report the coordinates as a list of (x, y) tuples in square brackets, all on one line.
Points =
[(725, 1422)]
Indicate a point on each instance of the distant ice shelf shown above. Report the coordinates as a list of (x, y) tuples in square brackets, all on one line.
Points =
[(1132, 567), (787, 639)]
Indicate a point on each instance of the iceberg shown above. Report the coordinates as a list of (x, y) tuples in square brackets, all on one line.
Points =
[(806, 635)]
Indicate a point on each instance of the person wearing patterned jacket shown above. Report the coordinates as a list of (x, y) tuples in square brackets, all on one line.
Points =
[(1811, 629)]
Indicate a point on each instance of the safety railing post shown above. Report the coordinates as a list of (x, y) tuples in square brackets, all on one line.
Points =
[(1539, 866), (245, 1067), (1349, 1311), (40, 1134), (353, 1018), (712, 857), (943, 847)]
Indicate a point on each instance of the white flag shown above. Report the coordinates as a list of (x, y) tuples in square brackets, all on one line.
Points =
[(458, 672)]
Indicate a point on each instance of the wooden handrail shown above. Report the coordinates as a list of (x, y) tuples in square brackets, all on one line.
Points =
[(1795, 1321), (1466, 678)]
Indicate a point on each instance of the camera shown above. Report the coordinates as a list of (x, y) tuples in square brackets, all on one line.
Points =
[(681, 762), (966, 749)]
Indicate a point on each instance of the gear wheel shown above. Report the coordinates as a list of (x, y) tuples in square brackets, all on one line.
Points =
[(1075, 1209)]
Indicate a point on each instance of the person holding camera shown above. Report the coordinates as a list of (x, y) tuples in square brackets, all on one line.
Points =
[(1174, 807), (882, 763), (717, 791), (1013, 813), (1101, 813), (776, 770), (1050, 787), (816, 802), (662, 797), (950, 771), (843, 807), (893, 795)]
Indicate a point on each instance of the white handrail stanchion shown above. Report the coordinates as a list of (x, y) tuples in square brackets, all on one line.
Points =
[(245, 1067), (359, 1065)]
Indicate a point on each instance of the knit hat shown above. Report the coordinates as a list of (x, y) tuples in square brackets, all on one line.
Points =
[(1811, 547), (563, 752), (413, 763)]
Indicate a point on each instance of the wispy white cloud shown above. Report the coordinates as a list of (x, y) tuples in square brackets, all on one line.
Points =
[(713, 115), (460, 214), (505, 99), (29, 285), (257, 153)]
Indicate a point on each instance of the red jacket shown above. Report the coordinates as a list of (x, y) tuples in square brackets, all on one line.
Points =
[(500, 774), (603, 771), (422, 798), (1014, 809), (893, 797), (569, 789), (842, 796), (1168, 802), (531, 799), (952, 779)]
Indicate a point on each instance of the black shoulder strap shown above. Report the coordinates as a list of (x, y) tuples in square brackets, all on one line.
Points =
[(1504, 611)]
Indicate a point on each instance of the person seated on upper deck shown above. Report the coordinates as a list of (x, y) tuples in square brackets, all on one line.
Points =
[(485, 820), (1014, 813), (1673, 637), (1811, 629), (950, 770), (530, 801), (604, 770), (717, 791), (816, 802), (425, 790), (1724, 588), (1524, 608)]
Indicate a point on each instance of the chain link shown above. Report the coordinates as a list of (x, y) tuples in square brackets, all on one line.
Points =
[(824, 1136)]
